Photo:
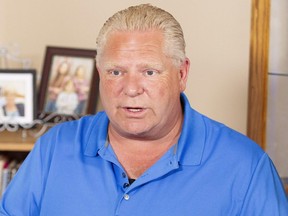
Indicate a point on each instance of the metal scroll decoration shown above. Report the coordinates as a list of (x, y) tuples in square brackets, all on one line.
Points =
[(9, 58), (39, 126)]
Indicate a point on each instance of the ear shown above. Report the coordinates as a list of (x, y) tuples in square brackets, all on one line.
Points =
[(183, 74)]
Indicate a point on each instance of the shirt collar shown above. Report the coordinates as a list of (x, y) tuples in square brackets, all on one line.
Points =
[(190, 146), (96, 134), (192, 139)]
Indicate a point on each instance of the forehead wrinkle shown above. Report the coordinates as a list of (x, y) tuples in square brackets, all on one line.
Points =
[(127, 50), (131, 44)]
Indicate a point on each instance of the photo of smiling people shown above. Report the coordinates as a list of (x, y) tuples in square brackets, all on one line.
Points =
[(71, 78)]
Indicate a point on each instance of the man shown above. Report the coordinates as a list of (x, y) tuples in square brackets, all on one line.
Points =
[(149, 153)]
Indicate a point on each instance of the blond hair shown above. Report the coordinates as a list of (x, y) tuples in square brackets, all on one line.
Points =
[(9, 91), (146, 17)]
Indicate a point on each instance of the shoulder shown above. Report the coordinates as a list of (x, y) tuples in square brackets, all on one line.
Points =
[(214, 141), (76, 132), (231, 145), (83, 125)]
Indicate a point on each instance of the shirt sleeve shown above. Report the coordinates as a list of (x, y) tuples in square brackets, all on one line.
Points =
[(265, 195), (23, 195)]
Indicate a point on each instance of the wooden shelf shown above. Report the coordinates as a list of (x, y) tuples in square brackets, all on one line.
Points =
[(13, 141)]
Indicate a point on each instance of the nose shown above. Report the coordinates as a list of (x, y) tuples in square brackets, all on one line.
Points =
[(133, 85)]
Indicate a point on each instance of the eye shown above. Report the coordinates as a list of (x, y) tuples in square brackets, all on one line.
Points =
[(150, 72), (115, 72)]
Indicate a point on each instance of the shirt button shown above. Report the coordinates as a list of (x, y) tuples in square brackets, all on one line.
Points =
[(126, 196), (125, 185), (124, 175)]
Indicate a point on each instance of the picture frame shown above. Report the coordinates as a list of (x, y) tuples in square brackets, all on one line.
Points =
[(69, 74), (17, 96)]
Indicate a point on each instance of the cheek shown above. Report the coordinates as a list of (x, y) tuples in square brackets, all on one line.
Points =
[(107, 86), (172, 85), (163, 92), (109, 93), (164, 87), (104, 92)]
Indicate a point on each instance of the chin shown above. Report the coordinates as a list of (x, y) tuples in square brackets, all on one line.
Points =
[(136, 132)]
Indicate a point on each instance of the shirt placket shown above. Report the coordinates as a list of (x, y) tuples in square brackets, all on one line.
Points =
[(129, 192)]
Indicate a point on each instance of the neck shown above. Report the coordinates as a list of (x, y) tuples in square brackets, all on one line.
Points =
[(137, 155)]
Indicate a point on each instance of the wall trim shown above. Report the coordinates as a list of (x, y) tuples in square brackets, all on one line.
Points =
[(258, 71)]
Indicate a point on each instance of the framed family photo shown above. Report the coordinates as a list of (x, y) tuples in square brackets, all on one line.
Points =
[(17, 96), (69, 83)]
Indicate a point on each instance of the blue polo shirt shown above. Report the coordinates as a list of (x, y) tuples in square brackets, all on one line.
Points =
[(212, 170)]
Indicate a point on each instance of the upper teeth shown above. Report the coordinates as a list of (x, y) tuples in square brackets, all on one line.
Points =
[(134, 109)]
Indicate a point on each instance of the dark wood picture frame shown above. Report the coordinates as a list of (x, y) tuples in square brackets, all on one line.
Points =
[(75, 57), (18, 88)]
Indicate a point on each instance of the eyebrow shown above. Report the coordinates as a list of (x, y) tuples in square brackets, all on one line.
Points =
[(111, 65)]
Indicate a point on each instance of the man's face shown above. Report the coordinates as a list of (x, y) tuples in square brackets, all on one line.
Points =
[(140, 86)]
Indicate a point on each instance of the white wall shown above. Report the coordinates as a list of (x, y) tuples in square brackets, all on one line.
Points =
[(217, 35), (277, 115)]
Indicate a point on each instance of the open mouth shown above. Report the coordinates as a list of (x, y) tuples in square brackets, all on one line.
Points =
[(134, 109)]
